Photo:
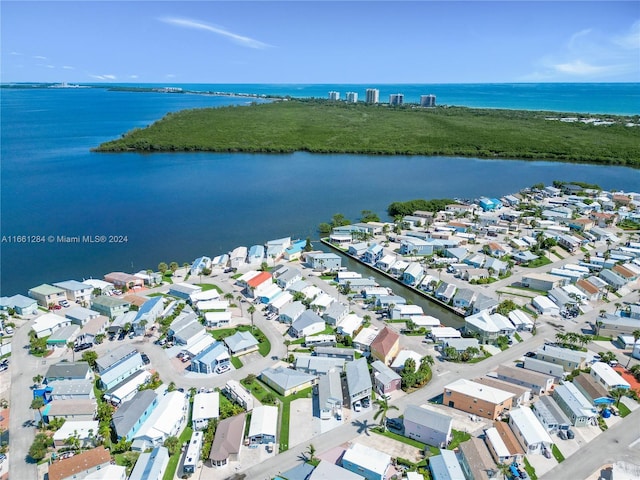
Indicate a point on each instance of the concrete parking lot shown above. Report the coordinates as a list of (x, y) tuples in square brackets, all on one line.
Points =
[(303, 426)]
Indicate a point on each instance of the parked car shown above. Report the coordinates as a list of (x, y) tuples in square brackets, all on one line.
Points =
[(562, 434), (570, 434), (222, 368), (357, 406), (8, 330), (145, 358), (64, 303), (366, 402), (185, 358)]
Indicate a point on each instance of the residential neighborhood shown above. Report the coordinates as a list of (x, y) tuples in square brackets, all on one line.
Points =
[(278, 361)]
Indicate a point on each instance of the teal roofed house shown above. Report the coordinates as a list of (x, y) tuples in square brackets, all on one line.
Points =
[(110, 306), (47, 294), (295, 250)]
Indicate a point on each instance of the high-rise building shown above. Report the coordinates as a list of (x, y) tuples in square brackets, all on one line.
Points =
[(334, 95), (427, 100), (352, 97), (373, 95), (396, 99)]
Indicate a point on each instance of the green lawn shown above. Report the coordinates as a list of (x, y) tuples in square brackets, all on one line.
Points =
[(538, 262), (530, 470), (623, 409), (557, 454), (518, 337), (236, 362), (457, 437), (210, 286), (127, 459), (174, 460), (336, 127), (409, 441)]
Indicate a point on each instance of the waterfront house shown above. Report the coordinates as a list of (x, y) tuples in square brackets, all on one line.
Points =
[(206, 406), (165, 421), (445, 466), (385, 346), (227, 442), (264, 425), (385, 262), (238, 257), (81, 465), (212, 357), (123, 280), (130, 416), (109, 306), (47, 295), (323, 261), (608, 377), (427, 426), (255, 256), (484, 303), (503, 444), (574, 404), (412, 274), (372, 464), (476, 462), (538, 383), (445, 292), (385, 379), (476, 398), (200, 264), (358, 381), (308, 323), (76, 292), (287, 381), (20, 304), (151, 465), (529, 431), (373, 254), (464, 297), (357, 249)]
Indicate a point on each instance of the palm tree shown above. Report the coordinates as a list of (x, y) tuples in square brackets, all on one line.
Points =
[(162, 268), (239, 299), (311, 450), (636, 337), (36, 404), (383, 408), (427, 359), (251, 311), (228, 296), (38, 379), (410, 365), (173, 266), (617, 394)]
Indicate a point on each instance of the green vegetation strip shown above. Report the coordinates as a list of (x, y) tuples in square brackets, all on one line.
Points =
[(330, 127), (530, 470), (394, 436), (623, 409), (557, 454), (458, 437), (169, 473)]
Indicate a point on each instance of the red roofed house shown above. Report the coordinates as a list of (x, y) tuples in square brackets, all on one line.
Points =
[(121, 279), (79, 466), (386, 346), (496, 250), (592, 292), (602, 219), (258, 283), (625, 273)]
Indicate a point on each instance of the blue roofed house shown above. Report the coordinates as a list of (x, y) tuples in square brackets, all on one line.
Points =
[(446, 466), (200, 264), (21, 304), (121, 370), (147, 314), (373, 254), (295, 250), (464, 297), (130, 416), (489, 204), (210, 358), (256, 255), (427, 426), (80, 315), (357, 249), (76, 291)]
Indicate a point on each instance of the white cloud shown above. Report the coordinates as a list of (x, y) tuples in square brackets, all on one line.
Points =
[(194, 24), (39, 57), (591, 54), (103, 77), (51, 66), (133, 76), (170, 75), (15, 53), (68, 67)]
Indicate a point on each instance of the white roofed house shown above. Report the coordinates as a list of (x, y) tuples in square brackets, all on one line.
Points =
[(241, 342), (545, 306), (529, 431), (520, 320), (85, 431), (238, 257), (385, 379), (365, 338), (291, 311), (608, 377), (445, 292), (165, 421), (121, 370), (206, 406), (372, 464), (307, 324), (237, 393), (335, 313), (184, 290), (264, 425), (322, 302), (200, 264), (217, 319), (427, 426), (413, 274), (349, 324), (286, 381), (46, 324), (406, 311)]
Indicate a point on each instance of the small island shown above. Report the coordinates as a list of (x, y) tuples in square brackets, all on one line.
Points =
[(321, 126)]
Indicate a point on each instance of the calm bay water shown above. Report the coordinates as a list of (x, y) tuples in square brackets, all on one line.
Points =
[(175, 207)]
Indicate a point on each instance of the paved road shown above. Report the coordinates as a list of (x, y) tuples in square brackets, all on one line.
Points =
[(619, 442)]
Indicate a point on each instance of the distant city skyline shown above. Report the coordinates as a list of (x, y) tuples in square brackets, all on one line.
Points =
[(358, 42)]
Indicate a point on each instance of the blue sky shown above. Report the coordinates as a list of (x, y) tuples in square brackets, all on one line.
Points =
[(320, 42)]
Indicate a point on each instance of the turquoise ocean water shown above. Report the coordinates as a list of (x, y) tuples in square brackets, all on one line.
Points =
[(176, 207)]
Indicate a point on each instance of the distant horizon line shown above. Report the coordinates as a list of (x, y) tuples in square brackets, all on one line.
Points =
[(319, 83)]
